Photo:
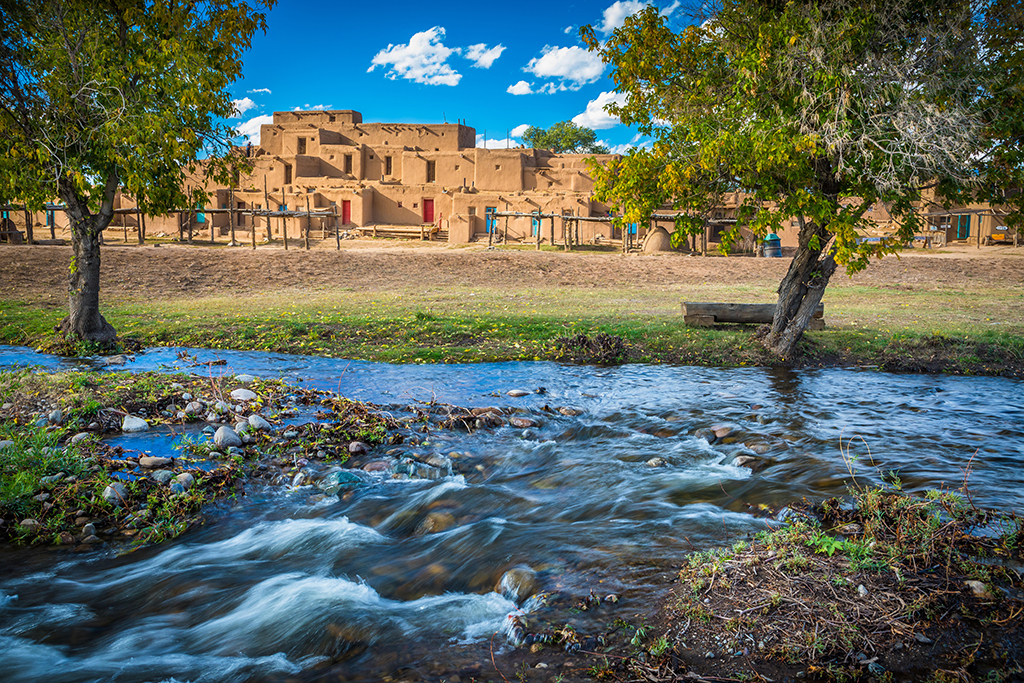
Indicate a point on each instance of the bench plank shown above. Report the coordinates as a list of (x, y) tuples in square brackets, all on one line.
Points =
[(735, 313)]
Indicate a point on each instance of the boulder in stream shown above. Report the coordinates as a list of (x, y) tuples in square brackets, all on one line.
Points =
[(517, 583), (225, 437), (337, 481), (130, 423), (259, 424)]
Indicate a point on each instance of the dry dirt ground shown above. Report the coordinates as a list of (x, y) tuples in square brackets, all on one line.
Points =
[(39, 272)]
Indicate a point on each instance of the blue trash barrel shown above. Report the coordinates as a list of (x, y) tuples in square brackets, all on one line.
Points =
[(772, 245)]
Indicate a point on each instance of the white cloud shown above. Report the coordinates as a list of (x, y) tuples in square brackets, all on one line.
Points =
[(260, 90), (616, 15), (573, 65), (568, 30), (518, 131), (251, 128), (552, 88), (595, 117), (241, 106), (316, 107), (670, 10), (482, 57), (421, 60), (625, 148), (520, 88)]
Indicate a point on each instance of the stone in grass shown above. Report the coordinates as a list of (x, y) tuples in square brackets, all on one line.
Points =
[(130, 423), (193, 408), (259, 424), (243, 395), (31, 525), (358, 448), (162, 476), (115, 493), (6, 443), (185, 480), (80, 437), (245, 379), (226, 437), (56, 417)]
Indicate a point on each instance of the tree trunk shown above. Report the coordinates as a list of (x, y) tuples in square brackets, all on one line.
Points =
[(84, 320), (801, 290)]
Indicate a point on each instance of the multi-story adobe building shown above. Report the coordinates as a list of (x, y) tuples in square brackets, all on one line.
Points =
[(399, 176)]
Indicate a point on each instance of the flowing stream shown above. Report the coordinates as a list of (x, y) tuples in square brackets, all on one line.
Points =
[(284, 584)]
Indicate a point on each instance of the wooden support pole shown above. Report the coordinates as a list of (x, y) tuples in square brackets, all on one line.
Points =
[(284, 220), (539, 229), (124, 226), (337, 231), (306, 235), (489, 228), (552, 230), (29, 238), (142, 227), (565, 232), (266, 204), (231, 212)]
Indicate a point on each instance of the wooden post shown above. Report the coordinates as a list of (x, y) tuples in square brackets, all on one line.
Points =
[(252, 226), (552, 229), (213, 239), (266, 204), (124, 226), (284, 220), (565, 232), (337, 231), (490, 228), (53, 227), (306, 235), (539, 229), (142, 223), (504, 235), (29, 238), (231, 213)]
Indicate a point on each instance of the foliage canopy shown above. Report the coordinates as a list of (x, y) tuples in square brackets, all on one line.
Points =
[(564, 137)]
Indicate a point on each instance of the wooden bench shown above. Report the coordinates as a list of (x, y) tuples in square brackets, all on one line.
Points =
[(423, 232), (706, 314)]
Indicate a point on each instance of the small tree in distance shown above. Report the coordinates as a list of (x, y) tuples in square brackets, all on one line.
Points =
[(102, 95), (564, 137), (815, 111)]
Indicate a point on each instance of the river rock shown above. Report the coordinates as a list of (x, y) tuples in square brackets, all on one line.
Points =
[(706, 434), (193, 408), (130, 423), (220, 407), (358, 448), (977, 588), (744, 461), (65, 538), (209, 430), (115, 493), (52, 479), (759, 447), (92, 539), (162, 476), (31, 525), (568, 412), (517, 583), (89, 529), (154, 461), (185, 479), (245, 379), (489, 420), (6, 443), (377, 466), (656, 462), (440, 461), (522, 422), (243, 395), (338, 480), (518, 393), (186, 396), (226, 437), (56, 417), (436, 522), (177, 489), (721, 431), (290, 434), (259, 424)]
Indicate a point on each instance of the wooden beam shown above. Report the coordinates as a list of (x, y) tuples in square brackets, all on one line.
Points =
[(708, 313)]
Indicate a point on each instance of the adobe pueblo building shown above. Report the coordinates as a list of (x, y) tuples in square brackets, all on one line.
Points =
[(394, 178)]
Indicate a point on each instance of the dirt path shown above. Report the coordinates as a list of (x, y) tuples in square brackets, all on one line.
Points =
[(39, 272)]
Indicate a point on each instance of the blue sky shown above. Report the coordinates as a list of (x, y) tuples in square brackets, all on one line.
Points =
[(497, 66)]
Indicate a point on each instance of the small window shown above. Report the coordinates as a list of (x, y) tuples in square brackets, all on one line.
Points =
[(332, 157), (472, 211), (348, 163), (415, 205), (497, 167), (399, 205), (371, 156), (431, 171), (302, 146), (282, 207), (387, 165), (331, 118), (456, 167)]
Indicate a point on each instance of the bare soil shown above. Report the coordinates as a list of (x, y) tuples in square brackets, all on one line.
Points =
[(37, 272)]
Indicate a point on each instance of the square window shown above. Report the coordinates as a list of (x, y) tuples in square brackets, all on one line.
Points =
[(415, 205), (472, 211), (497, 167), (456, 167), (399, 205)]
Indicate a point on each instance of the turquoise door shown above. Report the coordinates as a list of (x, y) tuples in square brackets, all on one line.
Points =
[(963, 227), (490, 220), (534, 227)]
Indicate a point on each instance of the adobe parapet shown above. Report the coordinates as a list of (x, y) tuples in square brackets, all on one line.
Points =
[(318, 117)]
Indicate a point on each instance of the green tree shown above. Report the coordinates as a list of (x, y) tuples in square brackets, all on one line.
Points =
[(815, 111), (564, 137), (102, 95)]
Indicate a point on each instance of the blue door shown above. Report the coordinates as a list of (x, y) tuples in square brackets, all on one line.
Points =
[(963, 227), (633, 228), (490, 220)]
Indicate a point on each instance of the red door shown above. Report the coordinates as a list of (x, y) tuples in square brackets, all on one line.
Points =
[(346, 212), (428, 210)]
